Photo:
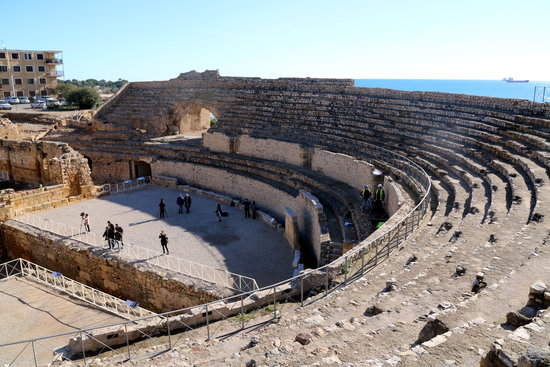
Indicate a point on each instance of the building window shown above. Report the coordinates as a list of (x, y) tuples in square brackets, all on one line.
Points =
[(17, 68), (20, 93), (3, 68), (5, 81), (28, 56), (7, 94), (30, 80), (32, 93), (29, 69), (18, 81), (43, 92), (42, 81), (41, 69), (40, 56), (2, 55), (14, 56)]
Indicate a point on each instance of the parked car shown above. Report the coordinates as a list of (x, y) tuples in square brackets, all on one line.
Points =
[(5, 106), (24, 100), (38, 104), (12, 100)]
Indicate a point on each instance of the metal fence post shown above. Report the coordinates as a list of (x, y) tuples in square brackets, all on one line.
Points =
[(34, 354), (207, 325), (82, 345), (302, 291), (127, 341), (169, 332), (242, 312), (345, 270), (274, 302), (362, 261)]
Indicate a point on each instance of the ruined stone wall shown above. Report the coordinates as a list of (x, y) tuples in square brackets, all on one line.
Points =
[(156, 289)]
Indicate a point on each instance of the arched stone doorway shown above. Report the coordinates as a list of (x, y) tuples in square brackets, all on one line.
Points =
[(142, 169), (89, 162)]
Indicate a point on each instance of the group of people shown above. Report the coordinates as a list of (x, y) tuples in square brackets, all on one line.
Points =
[(181, 201), (249, 209), (113, 235), (368, 202)]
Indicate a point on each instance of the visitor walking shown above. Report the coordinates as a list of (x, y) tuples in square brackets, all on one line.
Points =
[(219, 211), (366, 195), (164, 242), (187, 202), (109, 234), (118, 235), (86, 221), (246, 208), (162, 208), (180, 202)]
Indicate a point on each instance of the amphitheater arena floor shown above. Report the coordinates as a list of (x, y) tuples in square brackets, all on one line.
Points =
[(237, 244), (31, 310)]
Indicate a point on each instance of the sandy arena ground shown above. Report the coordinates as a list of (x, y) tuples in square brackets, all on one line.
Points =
[(239, 245)]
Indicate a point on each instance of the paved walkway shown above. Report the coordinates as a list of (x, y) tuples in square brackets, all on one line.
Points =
[(31, 310), (239, 245)]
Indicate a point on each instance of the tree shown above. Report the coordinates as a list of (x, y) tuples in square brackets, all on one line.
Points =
[(64, 89), (84, 98)]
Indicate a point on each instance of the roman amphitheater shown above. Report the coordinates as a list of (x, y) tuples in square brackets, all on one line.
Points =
[(451, 271)]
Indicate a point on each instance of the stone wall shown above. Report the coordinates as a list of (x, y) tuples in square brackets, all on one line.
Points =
[(156, 289)]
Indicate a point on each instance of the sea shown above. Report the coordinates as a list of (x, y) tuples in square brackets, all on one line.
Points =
[(489, 88)]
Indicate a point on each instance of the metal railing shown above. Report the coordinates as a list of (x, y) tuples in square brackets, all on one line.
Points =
[(306, 286), (22, 267), (126, 185), (133, 252)]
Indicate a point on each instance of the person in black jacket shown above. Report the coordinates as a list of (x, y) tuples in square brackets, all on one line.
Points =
[(162, 208), (187, 202), (180, 202), (164, 242)]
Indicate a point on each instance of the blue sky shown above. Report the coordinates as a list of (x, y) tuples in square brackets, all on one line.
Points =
[(415, 39)]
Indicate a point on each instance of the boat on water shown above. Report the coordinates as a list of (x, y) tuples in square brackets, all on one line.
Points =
[(512, 80)]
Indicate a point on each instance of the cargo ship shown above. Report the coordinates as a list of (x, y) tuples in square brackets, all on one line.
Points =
[(512, 80)]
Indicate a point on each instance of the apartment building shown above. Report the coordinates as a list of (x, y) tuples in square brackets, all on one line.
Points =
[(25, 73)]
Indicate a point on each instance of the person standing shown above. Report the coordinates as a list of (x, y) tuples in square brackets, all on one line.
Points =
[(118, 235), (219, 211), (162, 208), (246, 208), (253, 209), (86, 221), (164, 242), (187, 202), (180, 202), (366, 195), (379, 196)]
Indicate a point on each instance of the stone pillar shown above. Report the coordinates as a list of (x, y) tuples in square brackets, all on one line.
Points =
[(291, 227), (307, 156)]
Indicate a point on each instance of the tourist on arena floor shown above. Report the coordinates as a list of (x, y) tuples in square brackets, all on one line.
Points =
[(180, 202), (366, 195), (118, 235), (162, 208), (253, 209), (219, 211), (187, 202), (87, 222), (109, 234), (246, 208), (164, 242)]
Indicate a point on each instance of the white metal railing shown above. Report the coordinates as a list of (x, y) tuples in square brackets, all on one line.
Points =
[(128, 310), (10, 269), (134, 252), (113, 188)]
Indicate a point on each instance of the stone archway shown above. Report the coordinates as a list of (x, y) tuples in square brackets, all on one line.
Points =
[(189, 117)]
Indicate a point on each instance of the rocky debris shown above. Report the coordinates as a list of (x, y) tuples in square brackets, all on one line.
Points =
[(444, 228), (535, 357), (411, 260), (479, 283), (516, 319), (251, 363), (391, 285), (493, 238), (449, 256), (373, 310), (496, 357), (460, 270), (303, 338), (432, 329), (455, 236), (254, 340)]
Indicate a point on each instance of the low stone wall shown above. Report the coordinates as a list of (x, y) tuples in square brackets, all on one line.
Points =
[(155, 288), (271, 149)]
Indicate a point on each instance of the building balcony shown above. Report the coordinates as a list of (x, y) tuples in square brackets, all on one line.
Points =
[(55, 74), (54, 61)]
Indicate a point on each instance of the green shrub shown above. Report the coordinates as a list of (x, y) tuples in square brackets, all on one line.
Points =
[(84, 98)]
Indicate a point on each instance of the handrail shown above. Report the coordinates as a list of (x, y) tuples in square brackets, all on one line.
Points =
[(378, 247), (135, 183), (132, 251)]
